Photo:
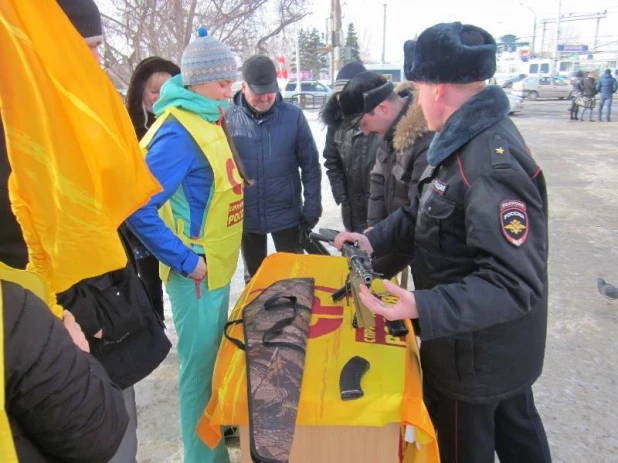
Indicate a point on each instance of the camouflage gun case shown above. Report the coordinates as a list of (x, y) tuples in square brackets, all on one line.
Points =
[(276, 327)]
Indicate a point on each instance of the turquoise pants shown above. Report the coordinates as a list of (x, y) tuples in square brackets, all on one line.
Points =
[(199, 323)]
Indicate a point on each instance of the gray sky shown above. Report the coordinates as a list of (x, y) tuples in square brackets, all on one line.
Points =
[(405, 19)]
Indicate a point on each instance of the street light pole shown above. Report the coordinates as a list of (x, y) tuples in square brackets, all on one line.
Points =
[(556, 54), (384, 35), (534, 26), (533, 36)]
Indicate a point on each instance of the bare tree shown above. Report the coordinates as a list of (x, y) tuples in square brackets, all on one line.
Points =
[(136, 29)]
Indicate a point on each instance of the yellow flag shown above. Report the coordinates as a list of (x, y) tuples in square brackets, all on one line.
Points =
[(77, 168)]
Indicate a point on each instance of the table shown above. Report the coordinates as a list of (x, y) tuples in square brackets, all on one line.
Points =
[(392, 385)]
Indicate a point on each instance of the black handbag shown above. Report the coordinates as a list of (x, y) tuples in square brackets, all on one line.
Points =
[(134, 342)]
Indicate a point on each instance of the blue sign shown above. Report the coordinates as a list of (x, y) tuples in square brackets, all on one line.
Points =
[(572, 48)]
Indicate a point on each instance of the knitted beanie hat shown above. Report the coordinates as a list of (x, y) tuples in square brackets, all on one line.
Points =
[(207, 60), (347, 72), (85, 17)]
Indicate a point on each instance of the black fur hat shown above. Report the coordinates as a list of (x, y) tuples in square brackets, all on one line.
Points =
[(453, 53), (408, 57)]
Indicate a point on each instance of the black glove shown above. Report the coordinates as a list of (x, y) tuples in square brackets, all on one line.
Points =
[(346, 215), (310, 222)]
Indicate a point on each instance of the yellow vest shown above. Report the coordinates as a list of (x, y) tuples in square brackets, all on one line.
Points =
[(33, 283), (222, 231)]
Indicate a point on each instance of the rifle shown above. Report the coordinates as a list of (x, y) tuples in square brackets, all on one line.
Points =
[(361, 272)]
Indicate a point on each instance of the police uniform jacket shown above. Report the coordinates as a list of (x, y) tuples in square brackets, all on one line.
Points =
[(478, 230)]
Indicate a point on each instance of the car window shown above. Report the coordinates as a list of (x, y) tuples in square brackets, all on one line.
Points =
[(290, 87), (320, 88), (305, 86), (559, 81), (544, 81)]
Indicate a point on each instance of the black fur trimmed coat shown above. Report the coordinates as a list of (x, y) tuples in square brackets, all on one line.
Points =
[(349, 157), (400, 160)]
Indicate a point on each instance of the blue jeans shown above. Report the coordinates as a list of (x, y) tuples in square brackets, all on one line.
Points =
[(584, 112), (605, 98)]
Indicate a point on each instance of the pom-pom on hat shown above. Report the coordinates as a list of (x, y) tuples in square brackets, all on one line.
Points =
[(453, 53), (207, 60)]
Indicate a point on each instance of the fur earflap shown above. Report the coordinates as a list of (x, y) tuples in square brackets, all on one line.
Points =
[(408, 56)]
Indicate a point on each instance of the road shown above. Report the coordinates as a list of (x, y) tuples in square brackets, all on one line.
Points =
[(576, 394)]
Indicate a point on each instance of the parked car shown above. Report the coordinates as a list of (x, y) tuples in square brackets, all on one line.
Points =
[(534, 87), (506, 80), (314, 91), (516, 104)]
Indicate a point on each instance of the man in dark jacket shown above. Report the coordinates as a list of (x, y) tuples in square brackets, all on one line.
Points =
[(277, 149), (349, 156), (478, 229), (124, 332), (607, 86), (401, 155), (61, 405)]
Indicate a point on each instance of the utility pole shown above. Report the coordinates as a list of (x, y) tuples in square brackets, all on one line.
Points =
[(596, 32), (543, 38), (298, 87), (329, 41), (572, 17), (556, 54), (384, 36), (336, 36)]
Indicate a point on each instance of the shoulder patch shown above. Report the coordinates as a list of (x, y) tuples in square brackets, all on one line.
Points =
[(500, 155), (514, 221)]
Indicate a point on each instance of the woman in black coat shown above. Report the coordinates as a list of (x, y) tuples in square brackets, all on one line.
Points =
[(578, 88), (143, 92)]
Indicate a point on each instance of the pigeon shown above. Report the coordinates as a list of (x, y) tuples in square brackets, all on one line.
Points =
[(607, 290)]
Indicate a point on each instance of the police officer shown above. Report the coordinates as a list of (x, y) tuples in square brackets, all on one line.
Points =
[(478, 229)]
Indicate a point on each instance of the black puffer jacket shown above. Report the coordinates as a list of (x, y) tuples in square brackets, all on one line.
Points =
[(349, 157), (590, 87), (479, 235), (279, 154), (62, 406), (401, 159), (13, 250)]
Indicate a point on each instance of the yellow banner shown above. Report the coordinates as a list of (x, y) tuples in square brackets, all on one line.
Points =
[(392, 385), (77, 168)]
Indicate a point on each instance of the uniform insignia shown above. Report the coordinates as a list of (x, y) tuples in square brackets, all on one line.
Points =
[(514, 221), (500, 155), (439, 186)]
